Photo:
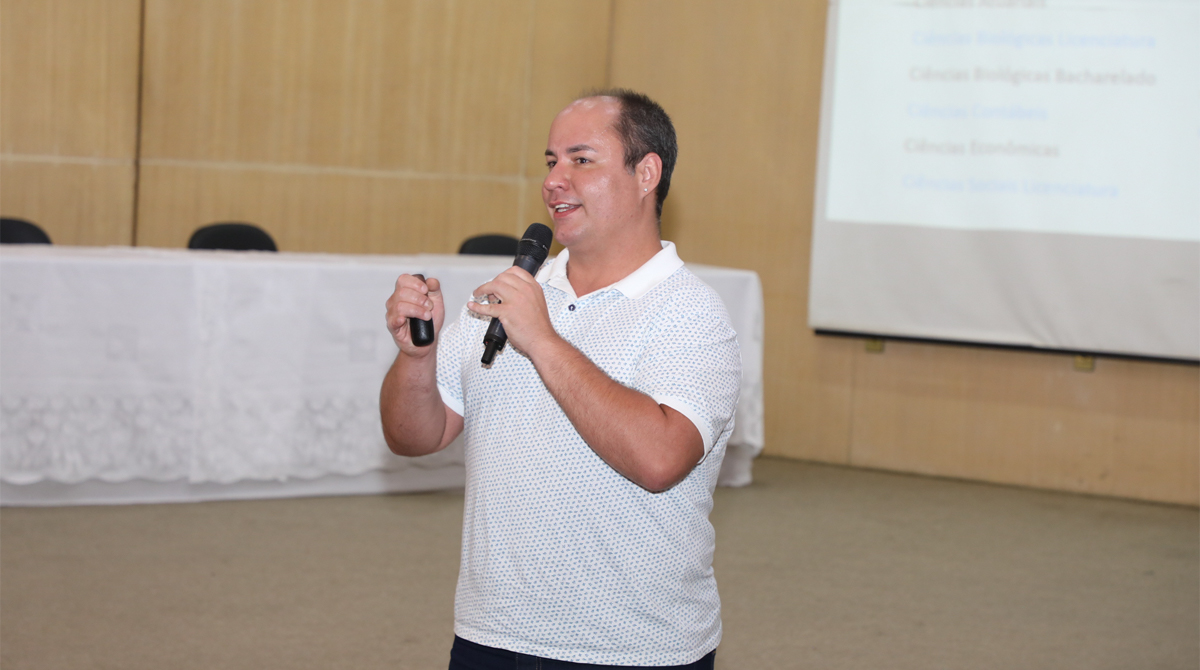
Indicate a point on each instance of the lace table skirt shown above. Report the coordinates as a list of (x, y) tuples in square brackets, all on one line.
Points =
[(218, 374)]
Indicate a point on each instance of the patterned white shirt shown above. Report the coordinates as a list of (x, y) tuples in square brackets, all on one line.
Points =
[(562, 556)]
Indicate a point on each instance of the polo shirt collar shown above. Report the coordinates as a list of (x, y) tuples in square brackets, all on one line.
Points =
[(635, 285)]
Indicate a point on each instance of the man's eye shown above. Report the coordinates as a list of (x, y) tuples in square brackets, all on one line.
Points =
[(581, 159), (550, 164)]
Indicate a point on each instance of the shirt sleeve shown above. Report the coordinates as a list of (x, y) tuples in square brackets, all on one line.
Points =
[(692, 364)]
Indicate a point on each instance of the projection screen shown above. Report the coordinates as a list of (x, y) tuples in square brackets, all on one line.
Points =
[(1015, 172)]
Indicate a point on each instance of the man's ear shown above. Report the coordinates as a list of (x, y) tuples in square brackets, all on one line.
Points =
[(649, 172)]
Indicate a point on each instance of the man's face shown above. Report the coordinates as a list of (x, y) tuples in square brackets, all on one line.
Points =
[(588, 192)]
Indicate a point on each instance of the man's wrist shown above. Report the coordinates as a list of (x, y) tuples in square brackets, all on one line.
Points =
[(415, 353)]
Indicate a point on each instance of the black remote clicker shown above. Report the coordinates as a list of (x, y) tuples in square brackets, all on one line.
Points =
[(421, 330)]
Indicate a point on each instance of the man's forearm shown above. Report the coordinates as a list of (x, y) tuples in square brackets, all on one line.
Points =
[(414, 417), (652, 445)]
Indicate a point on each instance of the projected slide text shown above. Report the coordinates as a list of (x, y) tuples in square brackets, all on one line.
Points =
[(1039, 115)]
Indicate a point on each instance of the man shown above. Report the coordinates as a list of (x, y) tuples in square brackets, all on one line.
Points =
[(593, 442)]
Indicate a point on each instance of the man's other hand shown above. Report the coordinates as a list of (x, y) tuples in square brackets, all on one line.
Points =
[(414, 299)]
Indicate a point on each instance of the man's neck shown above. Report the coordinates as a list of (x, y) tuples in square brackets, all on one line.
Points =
[(590, 270)]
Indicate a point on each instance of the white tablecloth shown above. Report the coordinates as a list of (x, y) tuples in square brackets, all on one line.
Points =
[(146, 375)]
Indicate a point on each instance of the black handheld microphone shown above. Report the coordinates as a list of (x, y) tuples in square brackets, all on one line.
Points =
[(531, 252), (420, 330)]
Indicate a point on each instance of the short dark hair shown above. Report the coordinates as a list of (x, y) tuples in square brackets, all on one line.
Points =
[(644, 127)]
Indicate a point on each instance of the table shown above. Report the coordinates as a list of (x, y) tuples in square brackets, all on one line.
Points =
[(153, 375)]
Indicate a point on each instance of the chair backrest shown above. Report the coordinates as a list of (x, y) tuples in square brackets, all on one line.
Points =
[(490, 245), (232, 237), (20, 231)]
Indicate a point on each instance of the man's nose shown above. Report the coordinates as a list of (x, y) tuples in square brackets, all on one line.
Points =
[(556, 178)]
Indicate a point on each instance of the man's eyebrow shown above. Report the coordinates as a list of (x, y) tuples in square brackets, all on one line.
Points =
[(572, 150)]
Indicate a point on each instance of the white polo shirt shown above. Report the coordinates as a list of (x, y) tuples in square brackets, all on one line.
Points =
[(562, 556)]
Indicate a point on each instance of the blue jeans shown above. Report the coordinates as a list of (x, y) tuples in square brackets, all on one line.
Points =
[(466, 655)]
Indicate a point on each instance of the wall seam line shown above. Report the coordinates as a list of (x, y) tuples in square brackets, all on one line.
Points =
[(523, 159), (137, 146), (66, 160), (852, 408), (300, 168)]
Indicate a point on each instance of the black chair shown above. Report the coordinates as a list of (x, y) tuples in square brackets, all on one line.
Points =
[(20, 231), (490, 245), (232, 237)]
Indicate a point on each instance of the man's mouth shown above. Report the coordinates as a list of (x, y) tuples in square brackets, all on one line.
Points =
[(563, 208)]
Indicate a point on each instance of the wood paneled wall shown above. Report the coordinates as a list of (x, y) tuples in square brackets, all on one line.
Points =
[(743, 83), (401, 126), (68, 116), (353, 125)]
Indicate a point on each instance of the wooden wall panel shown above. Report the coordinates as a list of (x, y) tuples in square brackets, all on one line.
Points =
[(84, 203), (68, 116), (433, 99), (743, 84), (420, 86), (1129, 428), (322, 211), (68, 77)]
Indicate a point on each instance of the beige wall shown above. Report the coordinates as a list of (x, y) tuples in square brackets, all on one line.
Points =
[(68, 116), (352, 126), (395, 127), (743, 83)]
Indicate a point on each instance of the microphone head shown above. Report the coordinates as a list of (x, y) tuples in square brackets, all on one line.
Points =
[(536, 242)]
